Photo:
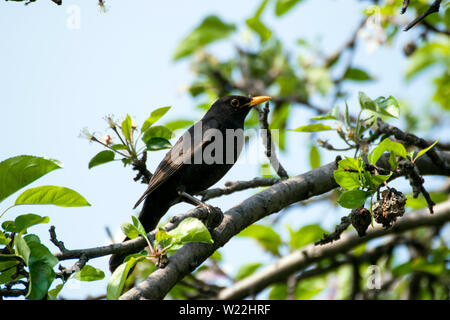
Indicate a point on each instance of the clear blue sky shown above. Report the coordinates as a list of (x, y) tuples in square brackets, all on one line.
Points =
[(54, 81)]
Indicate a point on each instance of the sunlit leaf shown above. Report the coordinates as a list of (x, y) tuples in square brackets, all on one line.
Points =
[(59, 196), (126, 127), (264, 235), (211, 29), (353, 198), (23, 222), (17, 172), (305, 235), (247, 270), (314, 157), (154, 116), (101, 158), (89, 273), (283, 6), (313, 128), (423, 151), (158, 143), (357, 74)]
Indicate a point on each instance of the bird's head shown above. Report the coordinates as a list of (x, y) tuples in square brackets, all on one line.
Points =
[(236, 106)]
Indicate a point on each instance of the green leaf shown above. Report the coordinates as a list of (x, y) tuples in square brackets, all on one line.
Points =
[(350, 163), (119, 147), (127, 127), (129, 230), (387, 145), (347, 180), (154, 144), (278, 291), (419, 264), (313, 128), (365, 102), (357, 74), (191, 230), (423, 151), (314, 157), (283, 6), (117, 280), (378, 179), (178, 124), (38, 252), (264, 235), (352, 199), (139, 227), (17, 172), (247, 270), (257, 25), (7, 258), (333, 114), (308, 288), (347, 116), (41, 277), (388, 106), (58, 196), (23, 222), (101, 158), (305, 235), (21, 248), (53, 294), (6, 275), (164, 239), (154, 116), (4, 239), (420, 202), (427, 55), (89, 273), (210, 30), (157, 132), (217, 256)]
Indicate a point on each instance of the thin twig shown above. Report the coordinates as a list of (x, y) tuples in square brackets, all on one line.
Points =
[(231, 187), (266, 136), (434, 7)]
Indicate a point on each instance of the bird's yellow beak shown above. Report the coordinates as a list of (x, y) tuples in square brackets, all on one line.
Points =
[(258, 100)]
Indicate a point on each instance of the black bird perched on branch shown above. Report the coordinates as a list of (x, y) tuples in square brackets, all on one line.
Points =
[(200, 158)]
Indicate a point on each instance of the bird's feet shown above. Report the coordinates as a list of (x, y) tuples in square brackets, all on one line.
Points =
[(209, 215)]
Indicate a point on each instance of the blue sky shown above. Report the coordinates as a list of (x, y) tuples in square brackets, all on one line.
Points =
[(55, 80)]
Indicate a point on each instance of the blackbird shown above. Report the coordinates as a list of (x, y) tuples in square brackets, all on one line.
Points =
[(200, 158)]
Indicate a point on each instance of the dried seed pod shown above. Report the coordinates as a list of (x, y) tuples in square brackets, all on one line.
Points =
[(409, 48), (360, 219), (389, 207)]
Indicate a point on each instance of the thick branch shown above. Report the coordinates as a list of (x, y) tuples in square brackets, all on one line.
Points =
[(310, 254), (264, 203)]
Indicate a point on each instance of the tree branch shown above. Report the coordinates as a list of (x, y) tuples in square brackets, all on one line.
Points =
[(266, 136), (300, 259), (434, 7), (256, 207), (234, 186)]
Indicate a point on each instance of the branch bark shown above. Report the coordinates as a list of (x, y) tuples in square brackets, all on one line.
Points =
[(301, 259), (239, 217)]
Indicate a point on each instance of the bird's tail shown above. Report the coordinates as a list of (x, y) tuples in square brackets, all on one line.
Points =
[(151, 213)]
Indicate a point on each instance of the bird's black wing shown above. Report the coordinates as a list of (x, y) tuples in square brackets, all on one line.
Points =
[(181, 154)]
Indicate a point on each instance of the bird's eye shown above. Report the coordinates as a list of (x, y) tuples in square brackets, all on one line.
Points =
[(235, 103)]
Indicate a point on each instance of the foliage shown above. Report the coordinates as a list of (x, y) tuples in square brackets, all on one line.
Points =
[(24, 260)]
